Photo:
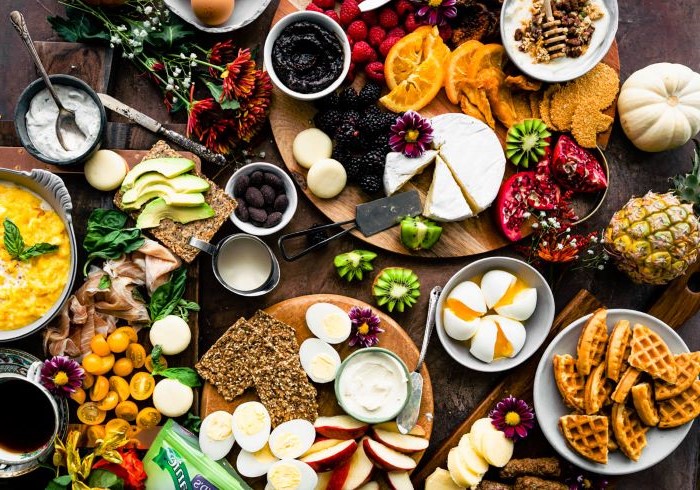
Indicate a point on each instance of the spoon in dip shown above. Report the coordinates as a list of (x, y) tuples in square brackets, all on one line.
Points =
[(70, 136)]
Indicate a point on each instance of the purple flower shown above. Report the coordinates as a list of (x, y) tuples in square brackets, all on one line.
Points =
[(61, 375), (365, 327), (513, 417), (411, 134), (436, 12)]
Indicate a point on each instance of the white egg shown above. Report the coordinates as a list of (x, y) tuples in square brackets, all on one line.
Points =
[(251, 426), (457, 328), (484, 341), (290, 474), (319, 360), (513, 331), (291, 439), (495, 285), (216, 434), (462, 310), (328, 322), (253, 465), (470, 295), (522, 307)]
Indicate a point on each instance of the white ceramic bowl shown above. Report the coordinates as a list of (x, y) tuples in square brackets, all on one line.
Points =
[(537, 326), (549, 405), (289, 189), (317, 18), (244, 12)]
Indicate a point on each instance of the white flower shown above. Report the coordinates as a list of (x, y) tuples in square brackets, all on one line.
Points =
[(193, 56), (601, 267), (130, 56), (535, 225), (111, 45), (527, 214), (148, 10), (146, 23), (113, 39), (169, 87), (542, 214), (590, 252), (186, 80), (171, 80), (193, 63), (560, 246), (121, 28), (182, 55), (177, 71), (568, 229)]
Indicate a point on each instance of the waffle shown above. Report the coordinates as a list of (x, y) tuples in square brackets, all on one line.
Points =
[(649, 353), (591, 343), (688, 365), (618, 350), (630, 432), (644, 404), (570, 383), (680, 409), (587, 435), (627, 381), (595, 393)]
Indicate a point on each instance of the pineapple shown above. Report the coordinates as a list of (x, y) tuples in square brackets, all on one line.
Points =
[(655, 238)]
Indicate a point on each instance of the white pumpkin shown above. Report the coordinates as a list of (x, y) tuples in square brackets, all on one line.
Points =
[(659, 106)]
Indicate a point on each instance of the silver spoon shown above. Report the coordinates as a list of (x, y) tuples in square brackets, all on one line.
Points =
[(409, 415), (70, 136)]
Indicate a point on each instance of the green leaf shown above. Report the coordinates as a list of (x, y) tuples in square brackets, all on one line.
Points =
[(14, 244), (36, 250), (155, 357), (60, 483), (106, 237), (217, 91), (186, 376), (105, 479), (172, 34), (167, 296), (192, 423), (105, 282), (79, 26)]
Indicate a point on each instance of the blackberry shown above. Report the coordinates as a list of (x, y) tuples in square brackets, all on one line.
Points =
[(388, 120), (381, 143), (369, 94), (372, 122), (352, 117), (371, 184), (317, 236), (328, 121), (375, 161), (341, 154), (329, 102), (354, 169), (348, 98), (347, 134)]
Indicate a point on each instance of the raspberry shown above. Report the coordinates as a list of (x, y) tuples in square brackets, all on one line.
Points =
[(411, 23), (403, 7), (445, 32), (325, 4), (376, 36), (314, 8), (370, 17), (333, 15), (362, 52), (349, 11), (387, 44), (357, 30), (375, 71), (388, 19), (396, 32)]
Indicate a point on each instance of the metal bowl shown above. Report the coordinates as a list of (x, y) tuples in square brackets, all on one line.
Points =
[(51, 188)]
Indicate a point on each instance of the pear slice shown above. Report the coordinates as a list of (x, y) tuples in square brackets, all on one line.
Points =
[(479, 428), (459, 471), (497, 448), (474, 461)]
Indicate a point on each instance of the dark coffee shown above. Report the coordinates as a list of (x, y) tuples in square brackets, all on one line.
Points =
[(26, 415)]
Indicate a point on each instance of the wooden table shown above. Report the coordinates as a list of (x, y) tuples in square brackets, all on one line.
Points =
[(646, 34)]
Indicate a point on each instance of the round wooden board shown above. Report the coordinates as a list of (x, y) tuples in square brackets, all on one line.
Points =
[(293, 312), (478, 235)]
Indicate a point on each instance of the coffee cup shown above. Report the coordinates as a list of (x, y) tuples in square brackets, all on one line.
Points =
[(29, 415)]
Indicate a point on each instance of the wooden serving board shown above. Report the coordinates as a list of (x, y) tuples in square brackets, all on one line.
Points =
[(675, 306), (288, 117), (292, 312)]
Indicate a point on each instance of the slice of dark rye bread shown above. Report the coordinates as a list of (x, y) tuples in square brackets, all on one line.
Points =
[(176, 236)]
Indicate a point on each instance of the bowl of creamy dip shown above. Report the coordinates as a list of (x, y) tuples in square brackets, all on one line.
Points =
[(372, 385), (36, 113)]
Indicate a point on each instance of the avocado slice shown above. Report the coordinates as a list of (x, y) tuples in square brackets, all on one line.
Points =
[(182, 184), (158, 209), (169, 167), (170, 195)]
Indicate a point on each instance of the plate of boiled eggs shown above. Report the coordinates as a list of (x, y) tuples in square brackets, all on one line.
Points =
[(494, 314)]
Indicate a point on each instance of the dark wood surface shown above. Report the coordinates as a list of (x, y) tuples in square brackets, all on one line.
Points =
[(647, 34)]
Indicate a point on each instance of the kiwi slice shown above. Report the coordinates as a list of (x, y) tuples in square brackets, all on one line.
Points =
[(419, 233), (351, 265), (396, 288), (526, 142)]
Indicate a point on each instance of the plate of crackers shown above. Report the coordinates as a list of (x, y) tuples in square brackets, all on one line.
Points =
[(617, 391)]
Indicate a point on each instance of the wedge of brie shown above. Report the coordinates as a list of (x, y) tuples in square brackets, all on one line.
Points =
[(445, 201), (399, 169)]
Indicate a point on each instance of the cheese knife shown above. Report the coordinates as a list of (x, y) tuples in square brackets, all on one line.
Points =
[(409, 414), (154, 126), (368, 5), (370, 219)]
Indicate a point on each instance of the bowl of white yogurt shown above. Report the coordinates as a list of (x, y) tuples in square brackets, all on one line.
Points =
[(36, 114)]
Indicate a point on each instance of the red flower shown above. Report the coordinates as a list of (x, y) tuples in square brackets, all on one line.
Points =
[(199, 110), (253, 111), (130, 470), (210, 125), (239, 76), (222, 53)]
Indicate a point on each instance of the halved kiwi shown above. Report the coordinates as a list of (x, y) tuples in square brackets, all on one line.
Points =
[(396, 288), (351, 265), (526, 142)]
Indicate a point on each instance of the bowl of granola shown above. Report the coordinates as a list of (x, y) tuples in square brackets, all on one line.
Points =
[(587, 30)]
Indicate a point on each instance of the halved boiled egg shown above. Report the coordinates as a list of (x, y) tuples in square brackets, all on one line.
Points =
[(290, 474), (253, 465), (463, 310), (497, 338), (328, 322), (251, 426), (291, 439), (508, 295), (216, 434), (319, 360)]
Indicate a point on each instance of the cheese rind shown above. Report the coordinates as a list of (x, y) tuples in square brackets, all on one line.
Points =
[(445, 201), (399, 169)]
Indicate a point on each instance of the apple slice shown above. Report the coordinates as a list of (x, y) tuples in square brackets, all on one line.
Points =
[(459, 471), (321, 444), (323, 479), (373, 485), (386, 458), (393, 427), (340, 427), (399, 442), (330, 457), (479, 428), (440, 479), (353, 473), (474, 461), (497, 448), (399, 480)]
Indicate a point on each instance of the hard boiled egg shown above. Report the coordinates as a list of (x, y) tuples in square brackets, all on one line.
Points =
[(328, 322), (520, 306), (212, 12), (508, 295), (253, 465), (463, 310), (251, 426), (291, 439), (495, 285), (319, 360), (497, 338), (290, 474), (216, 434)]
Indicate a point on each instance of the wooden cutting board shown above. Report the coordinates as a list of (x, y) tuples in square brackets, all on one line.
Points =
[(292, 312), (288, 117), (677, 304)]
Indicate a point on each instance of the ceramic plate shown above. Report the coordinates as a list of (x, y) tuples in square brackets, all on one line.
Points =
[(17, 362), (244, 12), (549, 406)]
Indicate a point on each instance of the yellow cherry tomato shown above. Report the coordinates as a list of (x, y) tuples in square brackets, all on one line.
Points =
[(109, 401), (130, 332), (147, 418), (88, 380), (94, 364), (123, 367), (99, 389), (117, 425), (120, 386), (126, 410), (94, 433), (118, 341), (141, 386), (149, 363), (90, 414), (137, 354), (99, 345), (79, 396)]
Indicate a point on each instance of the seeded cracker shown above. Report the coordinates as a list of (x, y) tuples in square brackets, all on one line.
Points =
[(545, 103), (535, 99), (587, 123), (286, 392)]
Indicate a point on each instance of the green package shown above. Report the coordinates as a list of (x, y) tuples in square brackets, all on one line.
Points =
[(175, 461)]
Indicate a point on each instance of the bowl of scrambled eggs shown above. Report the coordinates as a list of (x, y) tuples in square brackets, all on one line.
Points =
[(38, 251)]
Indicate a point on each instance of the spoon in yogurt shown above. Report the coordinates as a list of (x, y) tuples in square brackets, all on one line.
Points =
[(70, 136)]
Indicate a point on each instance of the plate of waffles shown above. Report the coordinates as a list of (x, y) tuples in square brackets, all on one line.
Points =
[(617, 391)]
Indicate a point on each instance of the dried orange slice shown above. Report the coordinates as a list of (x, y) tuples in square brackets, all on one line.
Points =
[(418, 89), (457, 67), (412, 50)]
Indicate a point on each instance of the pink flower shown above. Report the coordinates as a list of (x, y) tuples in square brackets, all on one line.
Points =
[(411, 134), (513, 417), (365, 327), (61, 375)]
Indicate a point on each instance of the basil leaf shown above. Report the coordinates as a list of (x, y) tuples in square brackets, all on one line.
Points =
[(105, 479), (60, 483), (186, 376), (192, 423), (13, 239), (155, 358), (167, 296), (36, 250), (105, 282)]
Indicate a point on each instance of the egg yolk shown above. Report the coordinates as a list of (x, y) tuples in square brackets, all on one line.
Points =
[(333, 325), (323, 367), (511, 293), (284, 477), (250, 420), (286, 443), (461, 310), (265, 455), (219, 427), (502, 348)]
